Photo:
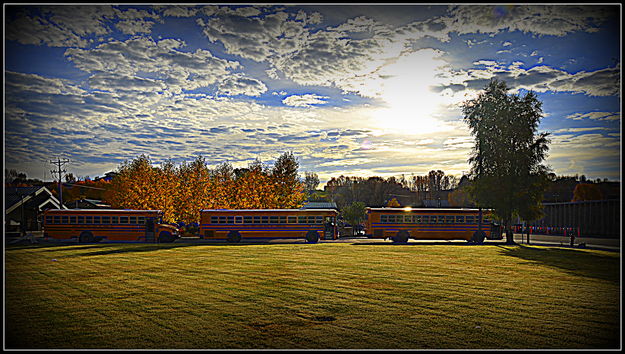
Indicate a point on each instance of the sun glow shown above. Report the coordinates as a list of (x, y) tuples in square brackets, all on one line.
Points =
[(411, 106)]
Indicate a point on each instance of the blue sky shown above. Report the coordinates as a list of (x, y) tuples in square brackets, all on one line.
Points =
[(352, 90)]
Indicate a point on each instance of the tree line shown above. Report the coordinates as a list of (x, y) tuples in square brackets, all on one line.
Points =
[(181, 191)]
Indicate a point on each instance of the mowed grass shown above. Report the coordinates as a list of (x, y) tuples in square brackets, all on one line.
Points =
[(327, 295)]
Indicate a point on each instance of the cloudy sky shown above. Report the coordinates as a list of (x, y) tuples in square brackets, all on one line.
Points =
[(354, 90)]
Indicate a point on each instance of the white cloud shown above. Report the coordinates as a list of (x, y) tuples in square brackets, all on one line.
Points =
[(304, 100)]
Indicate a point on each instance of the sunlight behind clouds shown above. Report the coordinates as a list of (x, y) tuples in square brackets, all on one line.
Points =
[(411, 107)]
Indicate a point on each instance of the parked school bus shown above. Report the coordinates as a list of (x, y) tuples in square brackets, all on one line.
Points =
[(400, 224), (234, 225), (94, 225)]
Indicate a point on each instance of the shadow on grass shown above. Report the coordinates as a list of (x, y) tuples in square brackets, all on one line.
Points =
[(430, 243), (577, 262)]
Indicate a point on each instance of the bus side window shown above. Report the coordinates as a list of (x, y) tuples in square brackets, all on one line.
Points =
[(49, 219), (133, 220), (230, 219), (301, 219), (282, 219), (257, 220), (292, 219), (247, 219), (141, 220), (319, 219), (449, 219), (416, 219), (238, 219), (459, 219), (106, 219), (123, 220), (72, 220), (64, 219), (114, 219), (264, 219), (383, 218)]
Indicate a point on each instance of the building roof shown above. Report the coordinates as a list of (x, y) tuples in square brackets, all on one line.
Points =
[(319, 205), (14, 196)]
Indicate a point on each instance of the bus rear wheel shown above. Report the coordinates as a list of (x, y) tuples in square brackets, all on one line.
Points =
[(312, 236), (234, 237), (401, 237), (85, 237)]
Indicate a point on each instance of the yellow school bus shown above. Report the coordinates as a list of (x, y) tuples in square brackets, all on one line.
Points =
[(401, 224), (234, 225), (112, 225)]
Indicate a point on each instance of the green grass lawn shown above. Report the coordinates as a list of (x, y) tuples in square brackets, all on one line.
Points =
[(327, 295)]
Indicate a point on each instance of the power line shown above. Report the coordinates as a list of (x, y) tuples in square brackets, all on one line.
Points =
[(59, 163)]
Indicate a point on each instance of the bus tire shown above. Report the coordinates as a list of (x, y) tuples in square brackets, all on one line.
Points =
[(234, 237), (401, 236), (312, 236), (85, 237), (165, 237), (478, 237)]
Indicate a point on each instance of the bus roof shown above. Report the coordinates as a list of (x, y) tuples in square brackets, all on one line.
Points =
[(424, 209), (104, 210), (288, 210)]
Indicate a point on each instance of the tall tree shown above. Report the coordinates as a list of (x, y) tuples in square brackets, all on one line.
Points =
[(311, 181), (506, 161)]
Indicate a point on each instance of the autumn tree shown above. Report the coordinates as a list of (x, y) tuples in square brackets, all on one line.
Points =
[(586, 191), (354, 214), (290, 191), (311, 181), (506, 161)]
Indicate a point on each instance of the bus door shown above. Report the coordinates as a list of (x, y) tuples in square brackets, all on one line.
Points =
[(329, 227), (149, 229)]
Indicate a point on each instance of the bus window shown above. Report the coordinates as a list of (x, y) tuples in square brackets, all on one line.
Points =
[(318, 219), (264, 219), (72, 220), (282, 219), (230, 219), (292, 219), (273, 219), (449, 219), (416, 219), (247, 219), (133, 220), (257, 220), (301, 219), (123, 220), (459, 219), (106, 219), (238, 219), (81, 219), (48, 219), (311, 219), (141, 220), (114, 219), (383, 218), (64, 219), (96, 219), (470, 219)]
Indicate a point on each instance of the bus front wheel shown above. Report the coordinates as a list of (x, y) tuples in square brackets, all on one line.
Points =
[(165, 237), (401, 237), (86, 237), (478, 237), (234, 237), (312, 236)]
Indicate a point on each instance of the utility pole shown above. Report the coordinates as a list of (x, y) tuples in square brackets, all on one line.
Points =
[(59, 163)]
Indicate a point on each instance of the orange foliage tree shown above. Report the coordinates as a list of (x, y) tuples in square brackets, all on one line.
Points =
[(586, 191), (181, 192)]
